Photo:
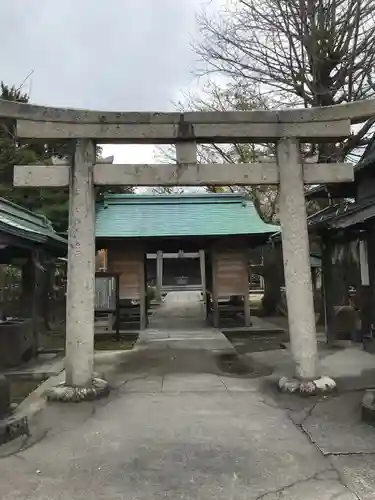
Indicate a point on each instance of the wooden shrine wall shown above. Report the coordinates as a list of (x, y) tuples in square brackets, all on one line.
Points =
[(130, 263), (231, 272)]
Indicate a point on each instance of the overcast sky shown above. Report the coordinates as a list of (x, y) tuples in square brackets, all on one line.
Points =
[(110, 55)]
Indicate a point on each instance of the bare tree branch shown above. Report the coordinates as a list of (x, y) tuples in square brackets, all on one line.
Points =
[(277, 53), (304, 52)]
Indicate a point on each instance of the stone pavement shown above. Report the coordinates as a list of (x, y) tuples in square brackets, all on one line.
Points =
[(178, 425), (179, 311)]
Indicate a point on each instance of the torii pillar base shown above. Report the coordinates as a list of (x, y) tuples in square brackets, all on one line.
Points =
[(321, 385), (66, 393)]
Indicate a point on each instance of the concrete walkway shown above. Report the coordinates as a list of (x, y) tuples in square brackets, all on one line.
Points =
[(178, 324), (179, 311), (177, 426)]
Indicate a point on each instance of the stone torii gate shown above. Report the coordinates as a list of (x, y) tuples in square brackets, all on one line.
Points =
[(286, 128)]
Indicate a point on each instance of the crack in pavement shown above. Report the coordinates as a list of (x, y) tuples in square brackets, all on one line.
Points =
[(327, 456), (310, 411), (341, 479), (348, 453), (314, 477), (305, 431), (283, 488)]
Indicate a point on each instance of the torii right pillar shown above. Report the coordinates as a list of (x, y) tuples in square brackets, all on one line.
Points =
[(296, 256)]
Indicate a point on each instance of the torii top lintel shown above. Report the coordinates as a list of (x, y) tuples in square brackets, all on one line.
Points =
[(316, 124)]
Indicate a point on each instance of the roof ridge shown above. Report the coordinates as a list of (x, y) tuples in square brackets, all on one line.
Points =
[(193, 199), (173, 195)]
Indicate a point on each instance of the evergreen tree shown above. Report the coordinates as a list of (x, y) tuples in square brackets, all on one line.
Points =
[(51, 202)]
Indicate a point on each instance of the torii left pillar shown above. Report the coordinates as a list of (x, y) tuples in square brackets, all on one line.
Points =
[(79, 363), (80, 383)]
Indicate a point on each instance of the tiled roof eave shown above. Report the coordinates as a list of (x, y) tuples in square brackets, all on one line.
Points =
[(330, 220), (22, 233), (50, 239)]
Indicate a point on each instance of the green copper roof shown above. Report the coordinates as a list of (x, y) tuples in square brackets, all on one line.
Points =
[(19, 221), (147, 216)]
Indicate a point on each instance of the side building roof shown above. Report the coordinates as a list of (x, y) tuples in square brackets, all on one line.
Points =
[(346, 189), (22, 223), (346, 213)]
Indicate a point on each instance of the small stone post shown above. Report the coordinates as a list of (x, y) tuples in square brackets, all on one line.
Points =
[(202, 262), (296, 256), (159, 274)]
